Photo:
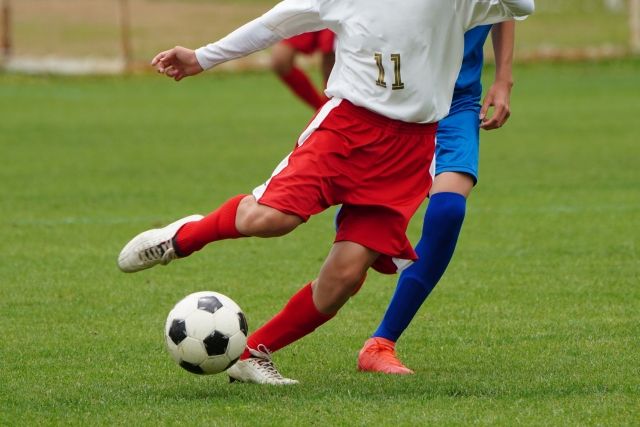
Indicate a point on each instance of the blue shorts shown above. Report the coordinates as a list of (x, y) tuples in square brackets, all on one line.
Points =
[(458, 142)]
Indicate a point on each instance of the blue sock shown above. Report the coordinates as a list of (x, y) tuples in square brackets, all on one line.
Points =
[(442, 224)]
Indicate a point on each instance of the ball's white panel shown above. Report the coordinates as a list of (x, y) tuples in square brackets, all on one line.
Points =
[(236, 346), (215, 364), (192, 350), (200, 324), (182, 309), (172, 349), (227, 321)]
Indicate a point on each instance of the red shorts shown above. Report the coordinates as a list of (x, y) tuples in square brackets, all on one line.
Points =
[(308, 43), (376, 167)]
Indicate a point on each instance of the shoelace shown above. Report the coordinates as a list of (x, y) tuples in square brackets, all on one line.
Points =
[(159, 252), (388, 352), (262, 360)]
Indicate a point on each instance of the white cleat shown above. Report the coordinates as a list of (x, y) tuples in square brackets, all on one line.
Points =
[(152, 247), (258, 369)]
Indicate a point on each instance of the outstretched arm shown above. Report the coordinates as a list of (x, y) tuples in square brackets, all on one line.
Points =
[(288, 18), (499, 94)]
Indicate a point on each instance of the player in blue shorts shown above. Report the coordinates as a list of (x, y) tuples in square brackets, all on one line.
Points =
[(456, 174)]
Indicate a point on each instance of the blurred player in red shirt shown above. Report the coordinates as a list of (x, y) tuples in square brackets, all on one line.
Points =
[(283, 56)]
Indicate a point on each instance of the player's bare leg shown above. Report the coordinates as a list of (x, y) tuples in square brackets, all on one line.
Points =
[(327, 61), (254, 219), (341, 275), (283, 64), (452, 182), (282, 58), (316, 303)]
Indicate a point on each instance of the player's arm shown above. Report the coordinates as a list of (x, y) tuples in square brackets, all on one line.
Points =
[(287, 19), (499, 94)]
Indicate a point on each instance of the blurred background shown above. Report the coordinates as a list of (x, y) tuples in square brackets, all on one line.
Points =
[(536, 321), (112, 36)]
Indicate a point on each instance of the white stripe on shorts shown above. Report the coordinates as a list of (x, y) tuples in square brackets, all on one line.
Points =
[(315, 123)]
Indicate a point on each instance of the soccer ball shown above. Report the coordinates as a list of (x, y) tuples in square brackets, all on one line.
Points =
[(206, 332)]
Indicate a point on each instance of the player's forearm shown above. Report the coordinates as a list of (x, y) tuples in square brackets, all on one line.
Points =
[(519, 7), (247, 39), (503, 37)]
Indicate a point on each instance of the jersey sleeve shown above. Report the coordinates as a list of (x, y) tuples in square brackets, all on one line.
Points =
[(480, 12), (287, 19)]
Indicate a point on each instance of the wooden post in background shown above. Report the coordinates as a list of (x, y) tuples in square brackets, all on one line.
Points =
[(6, 41), (125, 34), (634, 26)]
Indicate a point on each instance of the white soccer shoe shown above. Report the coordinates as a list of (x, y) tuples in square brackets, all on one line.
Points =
[(258, 369), (152, 247)]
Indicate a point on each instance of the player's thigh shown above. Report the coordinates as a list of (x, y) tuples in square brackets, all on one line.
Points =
[(457, 151), (255, 219)]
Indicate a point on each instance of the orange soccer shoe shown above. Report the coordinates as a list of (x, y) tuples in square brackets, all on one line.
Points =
[(379, 355)]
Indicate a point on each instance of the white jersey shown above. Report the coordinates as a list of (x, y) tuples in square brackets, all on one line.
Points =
[(399, 59)]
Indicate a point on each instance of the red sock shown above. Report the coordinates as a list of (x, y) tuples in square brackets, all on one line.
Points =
[(302, 86), (297, 319), (218, 225)]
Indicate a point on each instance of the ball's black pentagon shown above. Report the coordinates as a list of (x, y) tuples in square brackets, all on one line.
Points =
[(209, 303), (216, 343), (244, 326), (177, 331), (194, 369), (233, 362)]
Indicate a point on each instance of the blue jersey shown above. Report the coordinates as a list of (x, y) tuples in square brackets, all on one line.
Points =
[(458, 140), (468, 89)]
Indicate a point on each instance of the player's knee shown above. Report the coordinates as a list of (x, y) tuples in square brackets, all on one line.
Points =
[(282, 60), (280, 67), (263, 221), (336, 289), (349, 278)]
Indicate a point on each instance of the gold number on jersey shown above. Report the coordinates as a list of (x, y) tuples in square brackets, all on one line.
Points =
[(397, 79), (380, 82)]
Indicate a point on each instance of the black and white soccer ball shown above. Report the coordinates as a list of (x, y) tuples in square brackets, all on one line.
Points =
[(206, 332)]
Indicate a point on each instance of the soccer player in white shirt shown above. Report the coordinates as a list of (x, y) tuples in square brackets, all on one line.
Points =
[(368, 148)]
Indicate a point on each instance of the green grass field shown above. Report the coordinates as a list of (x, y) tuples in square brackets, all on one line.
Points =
[(535, 323)]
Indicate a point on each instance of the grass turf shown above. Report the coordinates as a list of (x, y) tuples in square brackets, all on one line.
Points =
[(536, 321)]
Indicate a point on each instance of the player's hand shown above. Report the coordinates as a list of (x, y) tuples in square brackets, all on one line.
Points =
[(177, 63), (498, 97)]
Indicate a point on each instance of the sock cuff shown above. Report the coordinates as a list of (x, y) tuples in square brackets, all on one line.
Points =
[(228, 213), (447, 195), (293, 73), (303, 300)]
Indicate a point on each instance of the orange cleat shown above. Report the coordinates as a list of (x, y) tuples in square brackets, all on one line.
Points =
[(379, 355)]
